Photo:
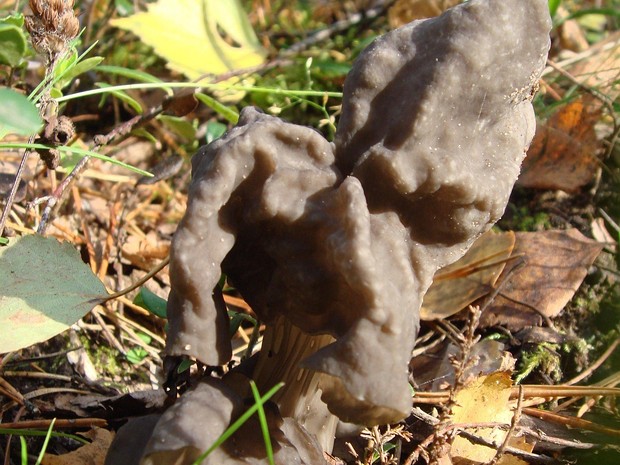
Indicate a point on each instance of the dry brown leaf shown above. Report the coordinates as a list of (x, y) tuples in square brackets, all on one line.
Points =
[(556, 262), (601, 70), (571, 34), (460, 284), (90, 454), (563, 154), (434, 368), (145, 252), (405, 11), (484, 400)]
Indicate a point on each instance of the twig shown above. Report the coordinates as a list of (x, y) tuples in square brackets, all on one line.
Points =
[(572, 422), (9, 391), (138, 283), (336, 27), (609, 219), (11, 198), (35, 359), (460, 430), (112, 340), (117, 316), (36, 374), (59, 424), (582, 56), (544, 437), (119, 131), (542, 391), (516, 417)]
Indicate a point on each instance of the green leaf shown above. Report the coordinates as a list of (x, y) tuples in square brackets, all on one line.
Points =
[(151, 302), (184, 365), (330, 68), (215, 130), (45, 442), (226, 112), (123, 97), (134, 74), (236, 318), (46, 287), (70, 149), (18, 114), (179, 126), (197, 37), (15, 20), (12, 42), (553, 6), (76, 69), (136, 355), (124, 7), (262, 418)]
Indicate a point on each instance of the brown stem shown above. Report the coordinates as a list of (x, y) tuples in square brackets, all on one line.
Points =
[(14, 187)]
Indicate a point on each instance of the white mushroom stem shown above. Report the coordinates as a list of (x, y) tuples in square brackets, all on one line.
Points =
[(284, 347)]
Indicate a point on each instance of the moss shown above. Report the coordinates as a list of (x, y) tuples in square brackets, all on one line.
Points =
[(520, 218), (104, 358), (543, 358)]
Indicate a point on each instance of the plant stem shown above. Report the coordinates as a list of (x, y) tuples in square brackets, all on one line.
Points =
[(11, 198), (156, 85)]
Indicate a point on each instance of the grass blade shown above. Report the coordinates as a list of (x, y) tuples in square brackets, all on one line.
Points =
[(263, 422), (239, 422), (45, 443), (78, 151)]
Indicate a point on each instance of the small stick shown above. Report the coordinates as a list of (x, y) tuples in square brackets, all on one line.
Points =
[(60, 424), (572, 422), (140, 282), (119, 131), (11, 198), (516, 417)]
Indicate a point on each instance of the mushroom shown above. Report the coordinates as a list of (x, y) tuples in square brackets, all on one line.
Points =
[(334, 245)]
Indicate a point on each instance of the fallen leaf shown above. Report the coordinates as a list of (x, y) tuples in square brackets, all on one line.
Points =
[(46, 287), (473, 276), (485, 399), (571, 34), (197, 37), (89, 454), (563, 154), (554, 265), (434, 370), (600, 70), (405, 11), (145, 252)]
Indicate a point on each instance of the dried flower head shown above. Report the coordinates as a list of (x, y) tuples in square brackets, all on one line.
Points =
[(52, 25)]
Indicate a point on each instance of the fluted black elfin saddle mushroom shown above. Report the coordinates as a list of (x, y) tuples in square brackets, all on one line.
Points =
[(334, 244)]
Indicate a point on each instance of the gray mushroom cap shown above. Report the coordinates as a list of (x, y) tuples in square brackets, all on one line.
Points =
[(341, 241), (435, 123)]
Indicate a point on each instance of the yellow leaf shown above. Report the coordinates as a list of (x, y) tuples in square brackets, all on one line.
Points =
[(198, 37), (485, 400)]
